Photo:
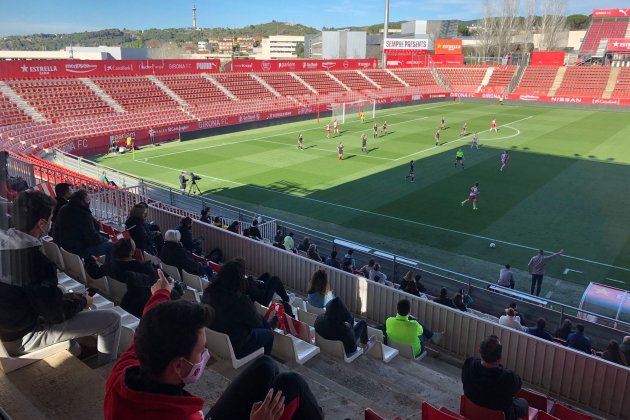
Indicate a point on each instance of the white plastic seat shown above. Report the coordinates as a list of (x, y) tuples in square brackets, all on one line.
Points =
[(53, 254), (194, 281), (102, 284), (101, 302), (307, 317), (128, 325), (220, 346), (405, 350), (314, 309), (335, 348), (152, 258), (299, 303), (74, 266), (383, 352), (9, 363), (172, 271), (290, 348), (69, 284), (117, 289), (190, 295)]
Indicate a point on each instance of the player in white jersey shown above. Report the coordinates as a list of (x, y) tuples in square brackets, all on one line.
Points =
[(328, 130), (504, 158), (336, 127), (475, 141), (472, 196)]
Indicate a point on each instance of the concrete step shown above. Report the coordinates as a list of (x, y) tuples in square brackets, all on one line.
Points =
[(557, 81), (329, 74), (299, 79)]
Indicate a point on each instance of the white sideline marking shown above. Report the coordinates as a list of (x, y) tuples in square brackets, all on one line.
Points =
[(387, 216), (568, 270), (616, 281)]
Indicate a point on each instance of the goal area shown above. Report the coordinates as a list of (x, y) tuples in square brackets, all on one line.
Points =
[(351, 111)]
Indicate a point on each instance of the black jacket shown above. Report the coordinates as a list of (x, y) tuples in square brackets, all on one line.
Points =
[(139, 233), (336, 324), (173, 253), (187, 238), (28, 288), (490, 388), (60, 203), (234, 315), (76, 229)]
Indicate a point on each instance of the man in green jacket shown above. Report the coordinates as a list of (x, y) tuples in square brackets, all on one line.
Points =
[(403, 329)]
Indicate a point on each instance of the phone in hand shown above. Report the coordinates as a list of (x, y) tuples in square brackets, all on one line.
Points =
[(91, 291)]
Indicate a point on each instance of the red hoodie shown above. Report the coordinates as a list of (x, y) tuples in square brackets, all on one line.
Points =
[(121, 402)]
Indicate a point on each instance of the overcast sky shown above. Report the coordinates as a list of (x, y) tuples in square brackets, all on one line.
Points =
[(63, 16)]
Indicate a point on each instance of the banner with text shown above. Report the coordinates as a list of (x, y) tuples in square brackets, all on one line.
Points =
[(303, 65), (619, 45), (399, 46), (413, 61), (547, 58), (604, 13), (448, 46), (52, 69)]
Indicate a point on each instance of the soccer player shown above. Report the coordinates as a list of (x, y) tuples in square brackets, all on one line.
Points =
[(364, 143), (475, 141), (472, 196), (336, 127), (300, 144), (412, 173), (504, 158), (463, 132), (362, 117), (442, 123), (437, 138), (459, 157), (375, 130), (384, 132), (340, 151), (328, 130), (493, 126)]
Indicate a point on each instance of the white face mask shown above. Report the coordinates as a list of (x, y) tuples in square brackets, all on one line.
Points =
[(197, 368)]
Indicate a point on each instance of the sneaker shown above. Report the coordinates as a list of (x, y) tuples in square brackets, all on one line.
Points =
[(369, 344), (437, 338)]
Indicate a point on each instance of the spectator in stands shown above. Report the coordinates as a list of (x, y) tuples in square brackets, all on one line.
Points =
[(490, 385), (205, 216), (536, 268), (169, 351), (217, 222), (190, 244), (63, 191), (539, 330), (77, 231), (347, 266), (350, 257), (407, 278), (313, 254), (443, 299), (459, 302), (263, 289), (506, 277), (319, 293), (518, 312), (565, 329), (254, 232), (289, 244), (376, 272), (235, 313), (338, 324), (173, 253), (404, 329), (411, 288), (279, 234), (149, 241), (613, 354), (304, 245), (332, 261), (578, 340), (625, 348), (34, 313), (235, 227), (511, 320), (104, 178), (368, 267)]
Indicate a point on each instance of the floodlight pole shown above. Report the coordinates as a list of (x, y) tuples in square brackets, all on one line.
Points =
[(385, 30)]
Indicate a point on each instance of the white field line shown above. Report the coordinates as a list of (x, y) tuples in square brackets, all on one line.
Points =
[(387, 216), (281, 134)]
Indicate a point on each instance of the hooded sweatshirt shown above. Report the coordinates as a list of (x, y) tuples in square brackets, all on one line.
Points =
[(492, 388), (336, 324)]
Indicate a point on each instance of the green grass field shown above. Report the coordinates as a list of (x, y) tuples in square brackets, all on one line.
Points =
[(565, 186)]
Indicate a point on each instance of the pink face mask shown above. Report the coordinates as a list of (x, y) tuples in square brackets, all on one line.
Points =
[(197, 368)]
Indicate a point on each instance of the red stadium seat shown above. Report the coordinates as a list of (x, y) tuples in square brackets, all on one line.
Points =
[(431, 413), (565, 413), (476, 412), (536, 400)]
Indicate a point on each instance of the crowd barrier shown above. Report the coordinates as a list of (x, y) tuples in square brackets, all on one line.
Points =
[(590, 382)]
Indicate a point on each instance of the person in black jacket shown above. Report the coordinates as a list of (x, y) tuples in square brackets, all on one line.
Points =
[(235, 313), (34, 313), (185, 228), (205, 216), (77, 231), (490, 385), (263, 289), (173, 253), (63, 191), (145, 238), (443, 299), (254, 231), (337, 324)]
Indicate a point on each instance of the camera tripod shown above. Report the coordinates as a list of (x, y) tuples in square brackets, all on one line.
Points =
[(194, 188)]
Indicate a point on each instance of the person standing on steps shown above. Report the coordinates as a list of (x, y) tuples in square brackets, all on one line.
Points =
[(536, 268)]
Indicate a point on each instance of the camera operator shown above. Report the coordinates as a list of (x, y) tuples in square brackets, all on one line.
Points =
[(182, 182)]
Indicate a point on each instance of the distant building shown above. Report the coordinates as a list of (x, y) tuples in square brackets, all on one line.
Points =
[(329, 45), (86, 53), (278, 47)]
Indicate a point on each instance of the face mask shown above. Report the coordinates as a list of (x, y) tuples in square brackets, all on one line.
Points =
[(197, 368), (47, 231)]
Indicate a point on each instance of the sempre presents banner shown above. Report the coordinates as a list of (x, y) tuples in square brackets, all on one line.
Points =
[(547, 58), (603, 13), (400, 46), (52, 69), (261, 66), (619, 45), (448, 46)]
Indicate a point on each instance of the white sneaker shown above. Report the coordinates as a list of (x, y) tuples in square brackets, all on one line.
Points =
[(370, 344), (437, 338)]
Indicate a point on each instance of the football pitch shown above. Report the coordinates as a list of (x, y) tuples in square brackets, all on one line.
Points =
[(566, 185)]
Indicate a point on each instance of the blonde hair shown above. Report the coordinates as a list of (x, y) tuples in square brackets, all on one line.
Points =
[(172, 235)]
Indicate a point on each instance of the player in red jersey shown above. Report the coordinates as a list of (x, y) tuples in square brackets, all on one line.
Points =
[(493, 127), (336, 127), (328, 130), (472, 196)]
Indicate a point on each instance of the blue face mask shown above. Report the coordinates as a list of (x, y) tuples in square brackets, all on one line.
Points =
[(197, 368)]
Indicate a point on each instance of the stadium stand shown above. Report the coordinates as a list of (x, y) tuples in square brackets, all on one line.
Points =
[(463, 79), (354, 80), (383, 79), (242, 85), (584, 81), (284, 84), (194, 88), (499, 80), (537, 80), (321, 82), (422, 78), (10, 114), (134, 93), (622, 87), (601, 29)]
